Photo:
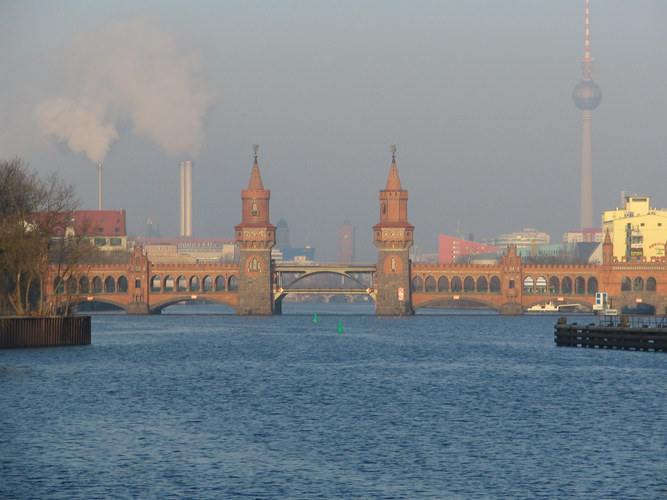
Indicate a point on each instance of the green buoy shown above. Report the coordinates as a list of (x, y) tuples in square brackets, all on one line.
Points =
[(315, 320), (340, 327)]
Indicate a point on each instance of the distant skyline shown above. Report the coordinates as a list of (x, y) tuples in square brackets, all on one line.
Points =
[(476, 95)]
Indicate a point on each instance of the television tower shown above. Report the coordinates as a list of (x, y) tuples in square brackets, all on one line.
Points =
[(587, 96)]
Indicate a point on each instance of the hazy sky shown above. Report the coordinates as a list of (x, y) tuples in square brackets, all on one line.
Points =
[(476, 94)]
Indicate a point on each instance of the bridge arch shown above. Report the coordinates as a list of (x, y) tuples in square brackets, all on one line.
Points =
[(566, 285), (554, 285), (220, 283), (443, 284), (109, 285), (233, 283), (84, 285), (156, 284), (626, 284), (181, 284), (417, 283), (592, 285), (482, 284), (450, 301), (456, 283), (469, 284), (429, 284), (638, 284), (651, 284), (207, 284), (122, 284), (494, 284), (579, 285), (169, 283), (194, 283), (172, 299)]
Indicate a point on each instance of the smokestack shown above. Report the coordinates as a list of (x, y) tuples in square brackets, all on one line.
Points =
[(186, 199), (99, 186)]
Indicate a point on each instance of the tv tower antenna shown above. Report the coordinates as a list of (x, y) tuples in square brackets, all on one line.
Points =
[(587, 96)]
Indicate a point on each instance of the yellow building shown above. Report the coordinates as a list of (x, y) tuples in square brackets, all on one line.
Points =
[(638, 232)]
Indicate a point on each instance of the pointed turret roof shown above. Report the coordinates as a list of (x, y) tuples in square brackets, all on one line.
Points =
[(255, 183), (393, 182)]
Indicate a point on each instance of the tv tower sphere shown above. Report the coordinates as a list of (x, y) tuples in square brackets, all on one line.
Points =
[(587, 95)]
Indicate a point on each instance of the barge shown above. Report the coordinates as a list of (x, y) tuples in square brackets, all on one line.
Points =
[(638, 333)]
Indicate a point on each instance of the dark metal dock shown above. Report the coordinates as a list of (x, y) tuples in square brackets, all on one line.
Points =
[(639, 334)]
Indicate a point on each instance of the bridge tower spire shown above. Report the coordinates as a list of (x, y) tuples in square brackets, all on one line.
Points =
[(393, 238), (255, 236)]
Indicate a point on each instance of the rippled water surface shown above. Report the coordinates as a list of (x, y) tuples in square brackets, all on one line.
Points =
[(432, 406)]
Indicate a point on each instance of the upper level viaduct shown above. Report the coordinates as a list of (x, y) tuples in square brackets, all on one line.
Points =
[(256, 285)]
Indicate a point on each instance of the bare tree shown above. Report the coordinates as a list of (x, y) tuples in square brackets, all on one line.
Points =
[(34, 216)]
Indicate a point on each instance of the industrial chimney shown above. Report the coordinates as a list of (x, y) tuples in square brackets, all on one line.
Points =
[(186, 199), (99, 186)]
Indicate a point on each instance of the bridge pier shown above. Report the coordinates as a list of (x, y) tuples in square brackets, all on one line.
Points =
[(137, 308), (511, 309)]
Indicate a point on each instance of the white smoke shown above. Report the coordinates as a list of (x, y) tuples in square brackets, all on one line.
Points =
[(131, 70)]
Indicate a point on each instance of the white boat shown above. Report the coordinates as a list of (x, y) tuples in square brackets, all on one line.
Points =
[(548, 307)]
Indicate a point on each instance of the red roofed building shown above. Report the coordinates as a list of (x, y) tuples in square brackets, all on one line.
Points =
[(105, 228)]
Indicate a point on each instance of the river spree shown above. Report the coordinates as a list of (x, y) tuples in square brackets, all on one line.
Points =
[(194, 405)]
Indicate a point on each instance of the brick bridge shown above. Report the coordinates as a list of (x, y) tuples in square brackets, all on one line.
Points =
[(256, 285)]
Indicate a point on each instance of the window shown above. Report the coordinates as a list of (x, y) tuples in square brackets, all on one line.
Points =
[(255, 210), (100, 242)]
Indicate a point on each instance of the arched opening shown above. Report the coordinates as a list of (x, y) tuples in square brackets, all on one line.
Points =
[(456, 284), (207, 284), (417, 284), (626, 284), (469, 284), (650, 284), (233, 283), (219, 283), (638, 284), (494, 284), (122, 284), (554, 285), (579, 285), (528, 283), (482, 284), (443, 284), (430, 284), (194, 284), (592, 285), (84, 285), (541, 285), (109, 285), (181, 284), (156, 284), (169, 283), (58, 285), (567, 284), (97, 284), (71, 285)]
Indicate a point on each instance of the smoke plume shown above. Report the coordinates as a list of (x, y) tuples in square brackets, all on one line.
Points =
[(130, 71)]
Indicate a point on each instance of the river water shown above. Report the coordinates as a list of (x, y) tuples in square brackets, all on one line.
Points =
[(194, 405)]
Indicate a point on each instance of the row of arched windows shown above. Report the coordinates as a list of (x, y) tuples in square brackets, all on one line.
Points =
[(157, 284), (96, 285), (457, 284), (194, 284), (638, 284), (566, 285)]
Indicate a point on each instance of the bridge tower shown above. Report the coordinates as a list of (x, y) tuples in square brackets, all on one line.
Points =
[(393, 236), (255, 236)]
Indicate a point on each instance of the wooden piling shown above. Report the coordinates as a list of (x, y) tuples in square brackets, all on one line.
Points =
[(44, 331)]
